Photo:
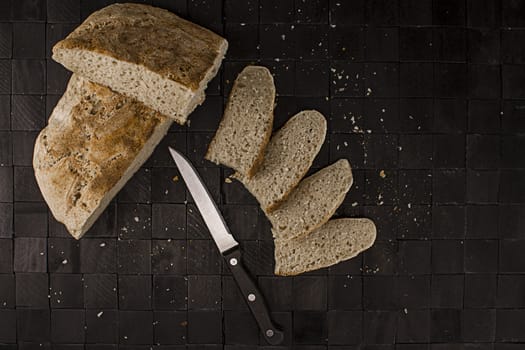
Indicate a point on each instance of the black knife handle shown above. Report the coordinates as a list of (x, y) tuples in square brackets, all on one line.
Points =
[(253, 297)]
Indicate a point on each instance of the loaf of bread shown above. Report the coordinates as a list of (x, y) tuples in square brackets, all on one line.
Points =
[(246, 125), (335, 241), (95, 141), (287, 158), (312, 202), (146, 53)]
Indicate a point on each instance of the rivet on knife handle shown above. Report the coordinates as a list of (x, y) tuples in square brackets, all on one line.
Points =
[(253, 298)]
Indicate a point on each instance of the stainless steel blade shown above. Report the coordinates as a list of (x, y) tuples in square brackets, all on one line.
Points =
[(203, 200)]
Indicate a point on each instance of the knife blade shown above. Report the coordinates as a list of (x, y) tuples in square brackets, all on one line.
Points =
[(228, 247)]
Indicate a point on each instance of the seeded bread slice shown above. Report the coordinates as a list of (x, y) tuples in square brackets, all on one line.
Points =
[(95, 141), (335, 241), (246, 126), (287, 158), (312, 202), (146, 53)]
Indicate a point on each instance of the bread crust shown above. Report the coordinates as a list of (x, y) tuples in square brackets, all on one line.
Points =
[(93, 138)]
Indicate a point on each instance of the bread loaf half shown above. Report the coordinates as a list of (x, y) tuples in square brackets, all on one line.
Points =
[(246, 125), (146, 53), (94, 142), (287, 158), (335, 241), (312, 202)]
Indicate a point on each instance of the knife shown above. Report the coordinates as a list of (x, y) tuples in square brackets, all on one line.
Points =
[(228, 247)]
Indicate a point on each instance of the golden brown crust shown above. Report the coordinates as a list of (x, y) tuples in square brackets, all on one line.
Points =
[(93, 136), (152, 37)]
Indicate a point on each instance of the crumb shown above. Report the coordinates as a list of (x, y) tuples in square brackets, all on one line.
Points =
[(382, 174), (100, 314), (228, 180), (136, 218), (175, 178)]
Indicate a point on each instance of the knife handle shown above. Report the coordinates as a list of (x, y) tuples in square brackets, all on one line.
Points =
[(253, 297)]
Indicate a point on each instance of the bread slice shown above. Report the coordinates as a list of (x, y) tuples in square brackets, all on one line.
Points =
[(335, 241), (312, 202), (246, 125), (95, 141), (287, 158), (147, 53)]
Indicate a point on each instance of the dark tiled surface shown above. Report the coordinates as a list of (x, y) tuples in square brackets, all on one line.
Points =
[(426, 99)]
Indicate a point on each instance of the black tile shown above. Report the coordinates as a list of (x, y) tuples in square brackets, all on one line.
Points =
[(450, 80), (352, 331), (346, 79), (381, 151), (311, 78), (448, 186), (380, 189), (102, 326), (415, 115), (445, 325), (6, 259), (205, 327), (134, 221), (381, 259), (204, 292), (414, 186), (450, 44), (309, 293), (511, 221), (347, 12), (448, 12), (382, 44), (349, 146), (476, 282), (66, 291), (416, 79), (5, 76), (512, 13), (415, 12), (30, 255), (415, 222), (7, 291), (449, 151), (139, 187), (98, 256), (100, 291), (386, 223), (483, 151), (5, 110), (478, 325), (511, 189), (486, 13), (240, 328), (277, 292), (344, 292), (25, 186), (450, 116), (484, 81), (510, 52), (414, 257), (483, 46), (510, 158), (272, 11), (309, 327), (379, 327), (168, 257), (510, 291), (6, 40), (30, 219), (178, 7), (447, 256), (63, 11), (57, 77), (242, 44), (33, 325), (206, 117), (8, 326), (63, 255), (169, 292), (382, 116), (448, 221), (170, 327), (447, 291), (134, 292), (510, 258), (481, 256), (413, 326), (243, 12), (28, 40), (482, 222), (377, 293), (67, 326), (484, 116), (508, 328), (26, 10), (311, 42), (134, 256), (135, 327), (241, 220), (382, 12), (32, 290), (6, 219), (272, 44), (511, 76), (415, 151), (232, 297), (203, 258), (23, 144), (28, 112), (347, 42), (415, 43), (382, 79), (28, 76)]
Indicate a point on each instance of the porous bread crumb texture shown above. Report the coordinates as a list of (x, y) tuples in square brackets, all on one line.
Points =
[(287, 158), (114, 47), (312, 202), (95, 140), (246, 126), (335, 241)]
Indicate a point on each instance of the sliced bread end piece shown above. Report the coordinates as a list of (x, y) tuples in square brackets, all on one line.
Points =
[(246, 125), (95, 141), (312, 202), (114, 47), (335, 241), (287, 158)]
